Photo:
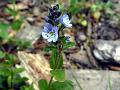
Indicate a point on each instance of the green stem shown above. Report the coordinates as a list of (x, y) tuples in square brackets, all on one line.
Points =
[(57, 63), (12, 84), (58, 56), (50, 82)]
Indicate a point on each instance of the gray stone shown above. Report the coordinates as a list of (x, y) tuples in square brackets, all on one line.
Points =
[(30, 33), (42, 4), (80, 57), (36, 11), (107, 50), (81, 36), (108, 31), (95, 80)]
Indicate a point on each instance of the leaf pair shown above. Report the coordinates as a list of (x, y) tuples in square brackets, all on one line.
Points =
[(58, 74), (66, 85), (56, 60)]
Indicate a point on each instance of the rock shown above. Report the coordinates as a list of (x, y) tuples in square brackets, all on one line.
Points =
[(36, 11), (30, 33), (80, 58), (106, 31), (116, 54), (107, 51), (42, 4), (26, 2), (117, 5), (30, 19), (95, 80), (81, 36), (36, 67), (19, 6)]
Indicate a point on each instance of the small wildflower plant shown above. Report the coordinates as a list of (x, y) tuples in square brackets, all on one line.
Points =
[(10, 78), (55, 23)]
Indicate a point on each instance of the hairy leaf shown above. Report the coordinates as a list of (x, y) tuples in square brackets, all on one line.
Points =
[(66, 85), (58, 74), (43, 85)]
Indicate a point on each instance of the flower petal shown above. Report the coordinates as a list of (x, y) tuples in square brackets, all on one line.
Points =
[(50, 39), (46, 18), (55, 34), (45, 35), (55, 29), (50, 33), (69, 25), (65, 20), (55, 37), (48, 27)]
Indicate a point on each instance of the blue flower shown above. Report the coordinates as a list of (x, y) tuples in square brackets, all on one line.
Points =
[(65, 20), (48, 19), (50, 32)]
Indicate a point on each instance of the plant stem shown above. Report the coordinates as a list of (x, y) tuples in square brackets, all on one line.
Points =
[(110, 84), (12, 84), (58, 56), (50, 82), (57, 63)]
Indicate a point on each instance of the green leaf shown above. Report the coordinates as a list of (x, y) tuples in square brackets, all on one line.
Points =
[(74, 10), (22, 44), (20, 80), (60, 63), (68, 45), (66, 85), (2, 54), (4, 72), (53, 58), (10, 57), (4, 26), (11, 11), (49, 48), (9, 81), (18, 70), (73, 3), (56, 61), (16, 25), (6, 64), (94, 7), (58, 74), (73, 7), (4, 31), (109, 4), (43, 85), (27, 87), (1, 82), (63, 39)]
